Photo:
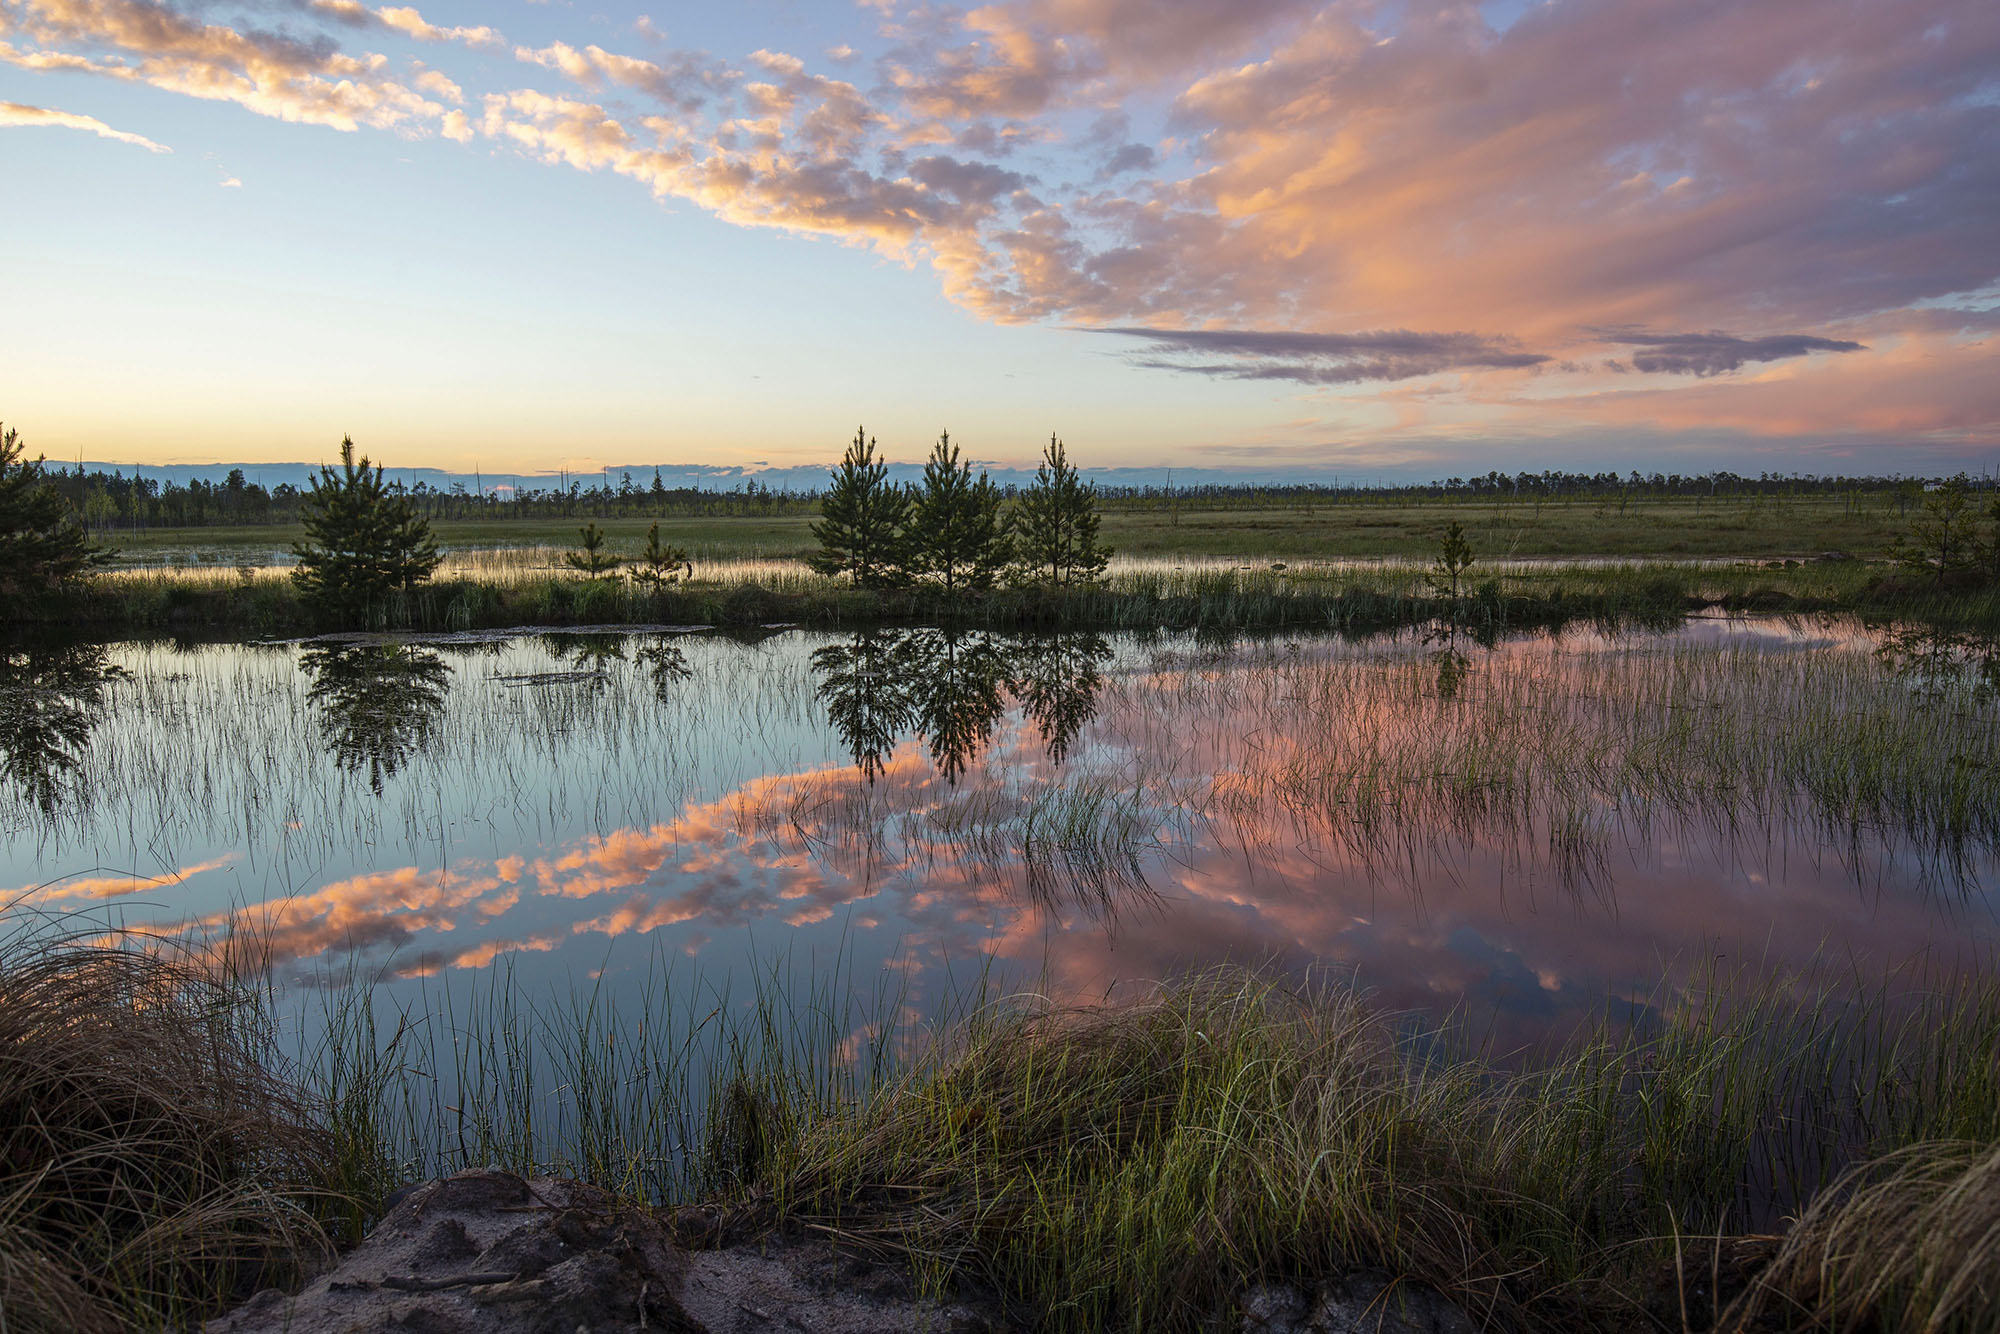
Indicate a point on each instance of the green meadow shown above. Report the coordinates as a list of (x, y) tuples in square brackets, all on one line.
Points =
[(1864, 524)]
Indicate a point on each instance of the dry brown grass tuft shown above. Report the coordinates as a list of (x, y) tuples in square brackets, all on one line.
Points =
[(1908, 1244), (151, 1165)]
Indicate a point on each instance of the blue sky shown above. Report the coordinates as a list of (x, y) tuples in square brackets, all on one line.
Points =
[(1261, 235)]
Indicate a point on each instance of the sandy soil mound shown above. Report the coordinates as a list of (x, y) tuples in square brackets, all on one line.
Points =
[(491, 1253)]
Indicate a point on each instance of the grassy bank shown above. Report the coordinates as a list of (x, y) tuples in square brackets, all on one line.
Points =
[(1274, 596), (1127, 1168)]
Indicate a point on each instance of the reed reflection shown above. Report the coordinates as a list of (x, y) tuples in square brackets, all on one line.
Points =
[(50, 702), (379, 704), (1516, 830), (952, 688)]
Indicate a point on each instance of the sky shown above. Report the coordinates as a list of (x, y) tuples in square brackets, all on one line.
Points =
[(1251, 237)]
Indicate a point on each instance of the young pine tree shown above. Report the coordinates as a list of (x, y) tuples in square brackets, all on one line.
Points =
[(363, 542), (1454, 558), (1944, 537), (592, 560), (956, 529), (660, 563), (860, 528), (1055, 524), (42, 543)]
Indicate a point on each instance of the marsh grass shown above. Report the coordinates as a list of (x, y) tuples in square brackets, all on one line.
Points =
[(667, 1096), (1562, 759), (1910, 1241), (1140, 1165), (1190, 525), (489, 589), (1559, 752), (155, 1160), (1130, 1166)]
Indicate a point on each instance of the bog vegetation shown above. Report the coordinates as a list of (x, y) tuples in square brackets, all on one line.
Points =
[(1800, 1153), (1130, 1168), (1136, 1167)]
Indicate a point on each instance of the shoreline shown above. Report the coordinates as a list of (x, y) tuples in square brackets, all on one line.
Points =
[(1227, 1153), (1275, 598)]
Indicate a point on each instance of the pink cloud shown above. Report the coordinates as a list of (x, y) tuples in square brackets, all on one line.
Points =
[(1789, 174)]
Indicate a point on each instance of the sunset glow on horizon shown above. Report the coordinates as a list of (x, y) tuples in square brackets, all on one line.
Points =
[(1274, 236)]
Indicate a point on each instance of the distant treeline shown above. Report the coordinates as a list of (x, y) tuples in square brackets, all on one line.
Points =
[(114, 500)]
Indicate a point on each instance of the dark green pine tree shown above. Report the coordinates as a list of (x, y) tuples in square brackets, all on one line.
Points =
[(1944, 538), (363, 542), (1055, 524), (956, 530), (1454, 558), (860, 528), (661, 562), (42, 541)]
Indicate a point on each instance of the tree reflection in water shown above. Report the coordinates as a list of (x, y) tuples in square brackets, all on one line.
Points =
[(1448, 655), (957, 694), (1939, 662), (667, 665), (379, 704), (866, 687), (589, 658), (1057, 680), (952, 687), (50, 702)]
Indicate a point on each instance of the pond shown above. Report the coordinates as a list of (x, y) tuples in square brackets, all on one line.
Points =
[(1513, 832)]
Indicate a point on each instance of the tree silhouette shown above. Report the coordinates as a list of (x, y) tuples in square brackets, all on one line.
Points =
[(379, 704), (1454, 558), (860, 528), (42, 540), (1944, 537), (955, 528), (1056, 524), (362, 541), (660, 564), (592, 560)]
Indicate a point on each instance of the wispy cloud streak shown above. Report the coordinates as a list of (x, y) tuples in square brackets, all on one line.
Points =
[(17, 114), (1321, 358), (1717, 353)]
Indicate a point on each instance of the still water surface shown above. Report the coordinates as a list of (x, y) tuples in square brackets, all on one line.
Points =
[(1511, 831)]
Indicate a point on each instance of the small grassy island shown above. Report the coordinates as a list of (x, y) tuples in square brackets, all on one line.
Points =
[(1543, 549)]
